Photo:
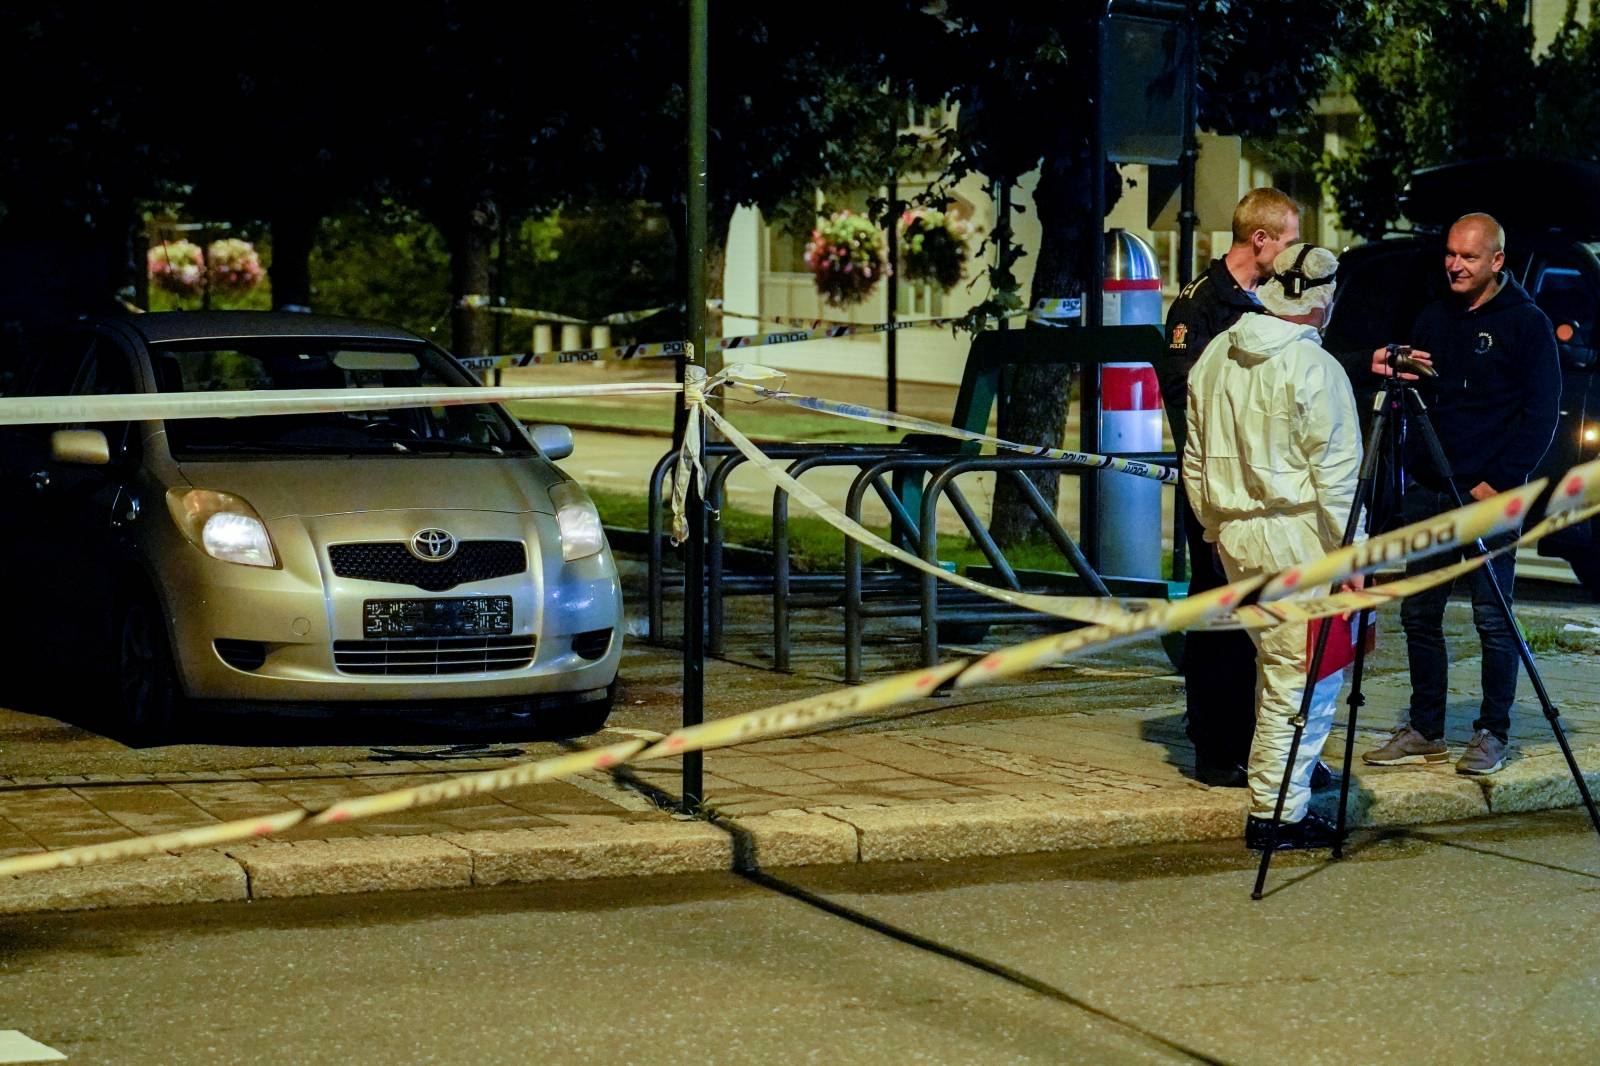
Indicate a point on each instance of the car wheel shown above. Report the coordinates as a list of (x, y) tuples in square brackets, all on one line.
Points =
[(591, 717), (1587, 570), (147, 683)]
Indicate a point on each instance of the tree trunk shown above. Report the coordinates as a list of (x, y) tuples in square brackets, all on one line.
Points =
[(1036, 409), (124, 249), (139, 240), (293, 231), (471, 236)]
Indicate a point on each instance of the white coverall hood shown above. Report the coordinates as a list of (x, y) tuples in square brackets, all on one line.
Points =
[(1270, 464)]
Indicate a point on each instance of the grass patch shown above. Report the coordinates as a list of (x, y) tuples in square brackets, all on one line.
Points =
[(1543, 639), (815, 546)]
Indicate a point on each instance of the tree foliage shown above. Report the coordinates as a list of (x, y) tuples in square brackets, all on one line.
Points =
[(1023, 79), (1449, 80)]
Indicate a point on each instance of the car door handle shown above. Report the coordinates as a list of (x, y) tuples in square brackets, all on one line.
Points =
[(40, 479)]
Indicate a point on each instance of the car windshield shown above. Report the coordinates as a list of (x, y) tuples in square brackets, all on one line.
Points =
[(316, 363)]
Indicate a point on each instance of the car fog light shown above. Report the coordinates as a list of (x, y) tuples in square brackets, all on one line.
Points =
[(577, 520), (223, 526)]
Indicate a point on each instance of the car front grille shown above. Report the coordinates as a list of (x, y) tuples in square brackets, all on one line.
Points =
[(429, 656), (392, 562)]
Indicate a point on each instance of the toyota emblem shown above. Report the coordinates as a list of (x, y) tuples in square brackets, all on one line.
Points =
[(433, 545)]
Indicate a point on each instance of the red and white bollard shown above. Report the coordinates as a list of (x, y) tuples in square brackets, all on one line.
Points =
[(1129, 508)]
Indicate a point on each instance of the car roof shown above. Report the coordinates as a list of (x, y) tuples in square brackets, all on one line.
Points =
[(1530, 195), (161, 327)]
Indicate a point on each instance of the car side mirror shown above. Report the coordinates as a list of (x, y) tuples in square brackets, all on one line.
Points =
[(554, 441), (85, 447)]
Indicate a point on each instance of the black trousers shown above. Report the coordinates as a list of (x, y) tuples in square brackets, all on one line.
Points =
[(1422, 618), (1219, 669)]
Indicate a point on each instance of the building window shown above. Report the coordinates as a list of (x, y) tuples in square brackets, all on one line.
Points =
[(786, 252)]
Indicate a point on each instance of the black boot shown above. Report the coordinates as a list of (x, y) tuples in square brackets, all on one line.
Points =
[(1312, 831), (1219, 774)]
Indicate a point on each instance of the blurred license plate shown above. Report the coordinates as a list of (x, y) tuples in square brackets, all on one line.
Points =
[(481, 616)]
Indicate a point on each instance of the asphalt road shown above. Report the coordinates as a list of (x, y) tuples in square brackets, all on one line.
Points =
[(1469, 944)]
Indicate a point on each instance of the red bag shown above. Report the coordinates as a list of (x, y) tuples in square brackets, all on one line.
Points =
[(1341, 650)]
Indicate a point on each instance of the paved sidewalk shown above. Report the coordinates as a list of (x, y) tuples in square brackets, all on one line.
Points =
[(1091, 754)]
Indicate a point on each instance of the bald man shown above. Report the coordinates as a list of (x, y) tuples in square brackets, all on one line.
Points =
[(1495, 406)]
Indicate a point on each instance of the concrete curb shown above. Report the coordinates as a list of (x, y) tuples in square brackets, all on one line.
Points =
[(198, 877), (1541, 782), (1408, 795), (352, 864), (834, 835), (579, 853), (1015, 827)]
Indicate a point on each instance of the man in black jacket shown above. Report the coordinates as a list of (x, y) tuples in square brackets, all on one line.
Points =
[(1495, 405), (1220, 668)]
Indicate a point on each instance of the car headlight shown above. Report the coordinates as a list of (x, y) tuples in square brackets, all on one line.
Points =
[(222, 525), (577, 520)]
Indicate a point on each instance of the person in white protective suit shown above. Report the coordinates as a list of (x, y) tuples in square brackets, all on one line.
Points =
[(1270, 467)]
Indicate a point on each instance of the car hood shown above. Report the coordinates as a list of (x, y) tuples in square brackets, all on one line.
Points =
[(294, 487)]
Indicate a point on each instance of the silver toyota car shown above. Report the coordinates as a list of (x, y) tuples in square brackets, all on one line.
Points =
[(402, 558)]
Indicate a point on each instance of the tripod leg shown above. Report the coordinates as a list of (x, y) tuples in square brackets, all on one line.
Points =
[(1357, 701), (1503, 605), (1294, 752), (1531, 668)]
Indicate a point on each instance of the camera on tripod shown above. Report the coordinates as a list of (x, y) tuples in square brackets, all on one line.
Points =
[(1400, 360)]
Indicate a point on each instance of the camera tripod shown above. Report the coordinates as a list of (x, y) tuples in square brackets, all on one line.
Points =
[(1390, 411)]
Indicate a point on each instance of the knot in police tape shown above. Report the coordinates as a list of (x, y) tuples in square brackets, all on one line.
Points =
[(690, 465)]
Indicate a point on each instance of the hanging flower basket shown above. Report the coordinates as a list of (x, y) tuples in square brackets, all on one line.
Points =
[(933, 247), (177, 267), (234, 265), (846, 256)]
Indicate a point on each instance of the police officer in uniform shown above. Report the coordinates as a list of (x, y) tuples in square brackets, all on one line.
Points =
[(1220, 668)]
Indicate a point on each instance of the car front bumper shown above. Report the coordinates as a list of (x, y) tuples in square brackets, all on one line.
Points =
[(291, 617)]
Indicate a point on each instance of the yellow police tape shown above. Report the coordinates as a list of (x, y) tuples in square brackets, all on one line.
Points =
[(206, 836), (481, 302), (1577, 496), (33, 410), (623, 352), (766, 722), (739, 378), (1074, 608), (751, 725), (532, 773), (813, 329)]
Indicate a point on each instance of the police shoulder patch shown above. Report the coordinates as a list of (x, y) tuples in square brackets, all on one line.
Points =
[(1180, 334)]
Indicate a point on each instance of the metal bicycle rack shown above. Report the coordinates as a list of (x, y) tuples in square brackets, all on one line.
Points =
[(867, 594), (933, 604), (718, 582), (920, 471)]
